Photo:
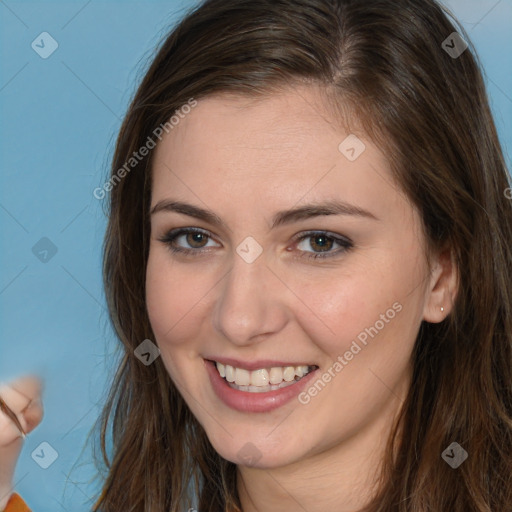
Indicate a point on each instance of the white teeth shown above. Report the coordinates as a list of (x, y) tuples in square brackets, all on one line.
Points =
[(259, 378), (242, 377), (289, 373), (230, 373), (260, 389), (222, 369), (276, 375), (299, 370), (262, 379)]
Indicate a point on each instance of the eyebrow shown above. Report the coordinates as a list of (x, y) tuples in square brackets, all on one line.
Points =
[(279, 219)]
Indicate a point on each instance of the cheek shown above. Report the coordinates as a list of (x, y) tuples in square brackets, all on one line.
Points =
[(171, 295), (365, 301), (341, 304)]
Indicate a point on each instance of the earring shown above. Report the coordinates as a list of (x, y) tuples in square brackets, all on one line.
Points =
[(442, 309)]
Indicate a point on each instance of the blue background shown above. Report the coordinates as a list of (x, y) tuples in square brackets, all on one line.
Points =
[(59, 118)]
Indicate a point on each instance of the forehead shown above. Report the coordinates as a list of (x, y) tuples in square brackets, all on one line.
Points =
[(276, 149), (228, 124)]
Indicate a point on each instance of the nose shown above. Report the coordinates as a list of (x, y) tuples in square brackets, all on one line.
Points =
[(251, 304)]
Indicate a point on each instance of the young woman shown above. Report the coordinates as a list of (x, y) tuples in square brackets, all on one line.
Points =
[(308, 262)]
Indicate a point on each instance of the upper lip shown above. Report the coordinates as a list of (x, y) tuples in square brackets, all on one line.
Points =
[(254, 365)]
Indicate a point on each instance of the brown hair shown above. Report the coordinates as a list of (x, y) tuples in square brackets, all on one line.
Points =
[(429, 112)]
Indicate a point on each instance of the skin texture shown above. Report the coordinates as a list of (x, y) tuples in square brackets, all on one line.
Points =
[(23, 397), (245, 159)]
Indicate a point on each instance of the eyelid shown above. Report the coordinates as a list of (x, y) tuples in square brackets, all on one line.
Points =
[(170, 236), (335, 236), (346, 243)]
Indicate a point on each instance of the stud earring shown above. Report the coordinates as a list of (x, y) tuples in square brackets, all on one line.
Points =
[(442, 309)]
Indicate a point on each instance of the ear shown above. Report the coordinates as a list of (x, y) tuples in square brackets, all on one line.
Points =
[(442, 288)]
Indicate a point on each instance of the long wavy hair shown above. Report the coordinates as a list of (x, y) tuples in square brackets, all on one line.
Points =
[(384, 61)]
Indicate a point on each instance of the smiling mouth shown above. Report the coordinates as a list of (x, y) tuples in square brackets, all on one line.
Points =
[(264, 379)]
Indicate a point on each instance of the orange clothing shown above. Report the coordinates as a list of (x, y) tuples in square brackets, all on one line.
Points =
[(16, 504)]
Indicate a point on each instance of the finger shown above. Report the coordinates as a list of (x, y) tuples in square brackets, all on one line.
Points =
[(19, 396), (19, 393), (8, 430), (33, 415), (29, 386)]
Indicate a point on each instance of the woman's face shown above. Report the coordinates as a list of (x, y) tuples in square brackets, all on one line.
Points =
[(249, 292)]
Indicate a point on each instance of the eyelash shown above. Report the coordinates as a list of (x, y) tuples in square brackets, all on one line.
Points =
[(345, 243)]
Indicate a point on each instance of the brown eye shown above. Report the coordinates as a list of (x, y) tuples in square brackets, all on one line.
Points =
[(321, 243), (196, 239), (189, 241)]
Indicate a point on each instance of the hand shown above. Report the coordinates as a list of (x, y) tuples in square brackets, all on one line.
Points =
[(23, 397)]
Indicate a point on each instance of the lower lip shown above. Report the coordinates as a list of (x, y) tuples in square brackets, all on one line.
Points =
[(245, 401)]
